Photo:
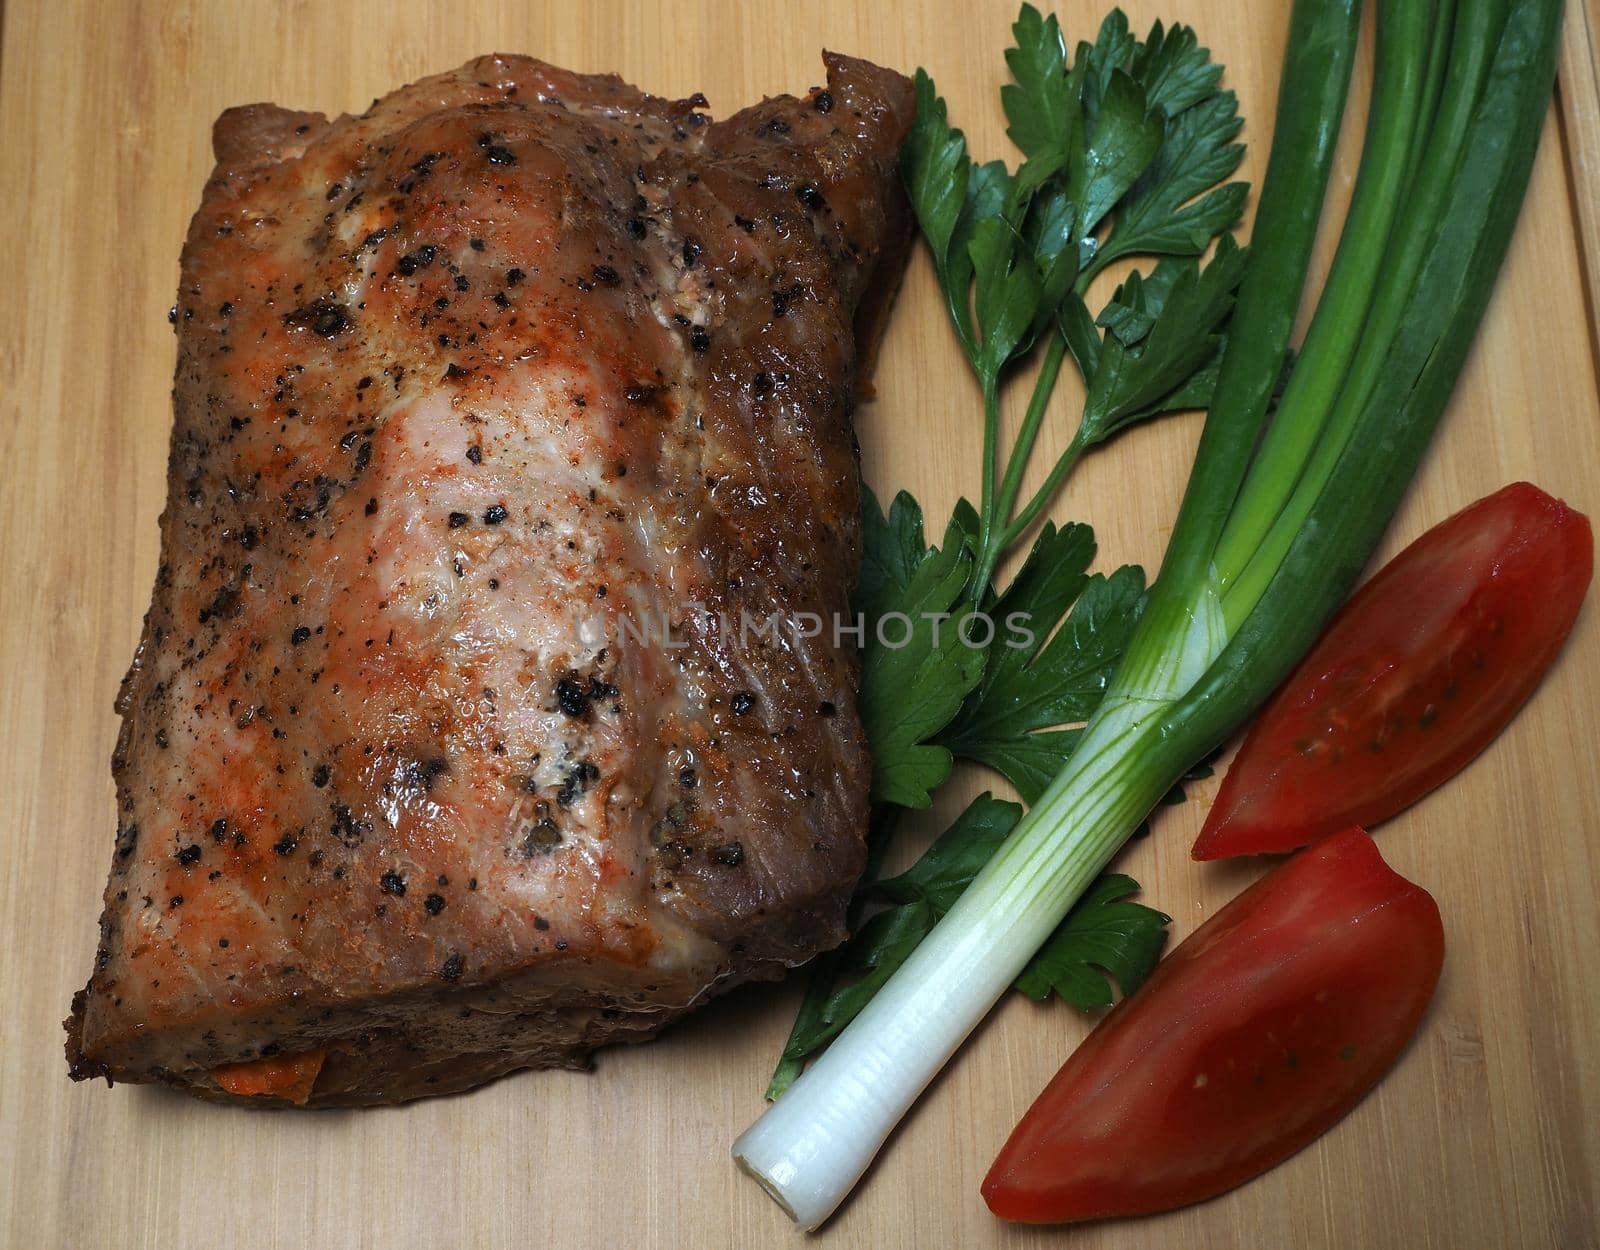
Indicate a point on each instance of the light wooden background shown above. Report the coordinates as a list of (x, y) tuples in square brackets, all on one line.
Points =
[(1487, 1134)]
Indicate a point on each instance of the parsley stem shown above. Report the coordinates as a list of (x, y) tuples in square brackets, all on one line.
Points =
[(998, 532), (1046, 492), (991, 438), (1091, 271)]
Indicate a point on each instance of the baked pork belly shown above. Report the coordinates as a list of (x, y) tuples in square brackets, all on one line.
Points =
[(480, 716)]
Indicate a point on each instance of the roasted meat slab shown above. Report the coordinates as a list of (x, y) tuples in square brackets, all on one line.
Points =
[(475, 723)]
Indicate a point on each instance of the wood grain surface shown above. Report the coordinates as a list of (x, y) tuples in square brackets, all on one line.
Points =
[(1487, 1134), (1578, 89)]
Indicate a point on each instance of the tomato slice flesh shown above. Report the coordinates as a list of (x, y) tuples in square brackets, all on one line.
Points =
[(1416, 675), (1256, 1035)]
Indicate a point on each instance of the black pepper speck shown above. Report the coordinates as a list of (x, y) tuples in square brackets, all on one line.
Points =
[(419, 259), (572, 697)]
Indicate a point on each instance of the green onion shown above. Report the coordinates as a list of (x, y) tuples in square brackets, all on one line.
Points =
[(1276, 523), (1335, 332)]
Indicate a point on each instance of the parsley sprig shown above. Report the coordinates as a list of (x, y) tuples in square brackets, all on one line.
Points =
[(1015, 706), (1127, 151)]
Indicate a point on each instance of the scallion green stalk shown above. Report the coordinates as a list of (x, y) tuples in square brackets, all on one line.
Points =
[(1212, 643), (1335, 331)]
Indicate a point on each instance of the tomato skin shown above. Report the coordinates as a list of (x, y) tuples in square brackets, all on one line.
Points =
[(1256, 1035), (1424, 666)]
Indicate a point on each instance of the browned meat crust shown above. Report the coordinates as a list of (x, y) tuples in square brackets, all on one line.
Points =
[(508, 416)]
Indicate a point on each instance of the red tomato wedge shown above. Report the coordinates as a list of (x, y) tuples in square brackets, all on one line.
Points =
[(1252, 1038), (1416, 674)]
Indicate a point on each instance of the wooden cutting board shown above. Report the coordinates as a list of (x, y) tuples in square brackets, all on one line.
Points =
[(1486, 1135)]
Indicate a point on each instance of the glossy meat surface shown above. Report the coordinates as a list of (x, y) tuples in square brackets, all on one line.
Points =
[(508, 415)]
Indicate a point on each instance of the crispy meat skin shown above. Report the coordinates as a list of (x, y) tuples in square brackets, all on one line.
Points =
[(462, 383)]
